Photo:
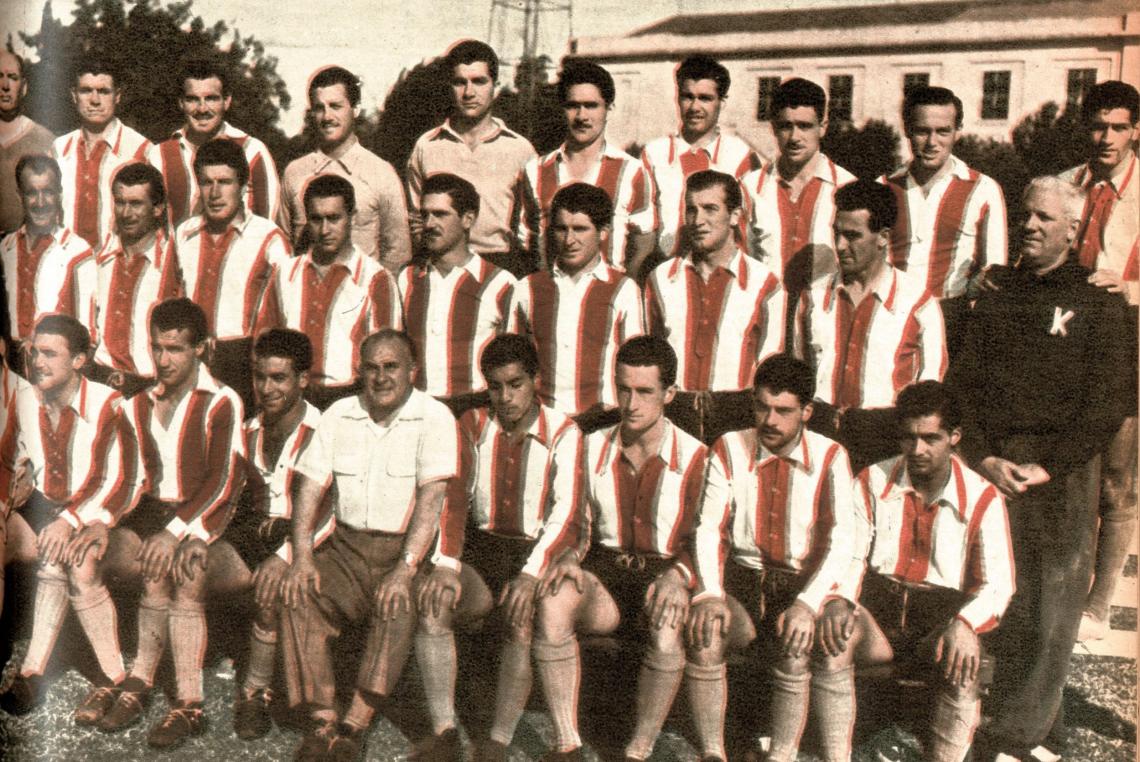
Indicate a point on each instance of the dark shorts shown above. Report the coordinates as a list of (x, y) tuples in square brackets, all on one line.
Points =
[(497, 559), (38, 511), (352, 562), (149, 517), (256, 536), (626, 577), (763, 594)]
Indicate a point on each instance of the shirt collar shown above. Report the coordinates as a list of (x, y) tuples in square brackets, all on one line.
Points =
[(227, 131), (411, 410), (347, 160), (474, 266), (114, 248), (79, 402), (953, 494), (738, 266), (20, 125), (1119, 180), (310, 417), (446, 132), (669, 451), (884, 288), (58, 235), (540, 428), (958, 168), (799, 455), (608, 152), (711, 148), (112, 136), (354, 265), (600, 271), (205, 383)]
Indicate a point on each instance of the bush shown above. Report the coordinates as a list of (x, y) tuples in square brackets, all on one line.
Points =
[(869, 152)]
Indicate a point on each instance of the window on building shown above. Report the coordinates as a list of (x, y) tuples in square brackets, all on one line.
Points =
[(840, 100), (766, 94), (914, 80), (995, 95), (1080, 80)]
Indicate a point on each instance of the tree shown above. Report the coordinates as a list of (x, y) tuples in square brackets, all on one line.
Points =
[(147, 42), (869, 152)]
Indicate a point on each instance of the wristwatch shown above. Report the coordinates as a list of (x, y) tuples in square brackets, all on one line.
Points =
[(409, 560)]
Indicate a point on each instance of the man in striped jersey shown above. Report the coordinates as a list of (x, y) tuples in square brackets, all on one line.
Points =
[(780, 495), (90, 155), (333, 292), (702, 89), (524, 502), (721, 311), (643, 484), (456, 301), (79, 453), (204, 100), (586, 92), (188, 429), (580, 311), (869, 329)]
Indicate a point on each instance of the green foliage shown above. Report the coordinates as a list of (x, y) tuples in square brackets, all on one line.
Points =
[(868, 152), (1051, 140), (419, 100)]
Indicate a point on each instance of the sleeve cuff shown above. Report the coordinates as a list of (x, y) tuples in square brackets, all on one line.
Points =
[(195, 529), (176, 527), (71, 519), (285, 552), (706, 595), (447, 562)]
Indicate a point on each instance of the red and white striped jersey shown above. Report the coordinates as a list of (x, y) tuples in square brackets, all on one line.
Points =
[(578, 328), (227, 275), (272, 484), (451, 318), (671, 159), (652, 510), (174, 157), (794, 238), (947, 234), (128, 289), (791, 512), (87, 172), (336, 311), (865, 353), (86, 462), (196, 460), (722, 328), (616, 172), (1110, 224), (54, 273), (960, 541), (529, 490)]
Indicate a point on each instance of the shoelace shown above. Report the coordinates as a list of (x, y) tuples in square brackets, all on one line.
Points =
[(100, 694), (189, 715)]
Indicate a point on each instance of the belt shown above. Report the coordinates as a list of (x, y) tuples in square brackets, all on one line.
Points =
[(637, 562)]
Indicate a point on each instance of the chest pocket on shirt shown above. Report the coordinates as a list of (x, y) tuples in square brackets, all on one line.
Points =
[(396, 489), (350, 474)]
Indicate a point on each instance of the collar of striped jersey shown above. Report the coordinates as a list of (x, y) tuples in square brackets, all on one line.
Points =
[(799, 454), (601, 271), (113, 248), (411, 410), (349, 160), (197, 224), (476, 266), (678, 145), (354, 265), (738, 266), (227, 131), (611, 451), (541, 429), (112, 136), (608, 151), (59, 235), (206, 383), (958, 168), (79, 402), (953, 494), (1119, 181), (884, 288), (446, 132), (311, 417)]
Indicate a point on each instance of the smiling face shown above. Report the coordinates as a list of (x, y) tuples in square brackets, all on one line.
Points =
[(472, 90), (221, 193), (96, 98), (136, 216), (13, 86), (1046, 231), (586, 113), (333, 115), (40, 194), (577, 243), (175, 356), (52, 363), (780, 417), (386, 370), (1112, 134), (278, 386), (204, 107), (512, 393), (699, 104), (932, 134)]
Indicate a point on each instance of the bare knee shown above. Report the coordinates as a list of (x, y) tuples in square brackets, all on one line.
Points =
[(556, 614)]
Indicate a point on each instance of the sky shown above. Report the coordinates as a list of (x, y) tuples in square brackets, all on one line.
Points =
[(376, 39)]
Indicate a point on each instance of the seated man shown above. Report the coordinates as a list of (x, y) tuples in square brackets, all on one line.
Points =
[(783, 495), (643, 481), (79, 455)]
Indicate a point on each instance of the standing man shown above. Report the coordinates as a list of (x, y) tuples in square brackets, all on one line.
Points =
[(19, 136), (204, 101), (475, 145), (869, 329), (389, 453), (721, 311), (136, 269), (332, 293), (380, 221), (1042, 389), (702, 88), (456, 301), (951, 221), (586, 92), (580, 311), (227, 255), (89, 156), (792, 199), (644, 478)]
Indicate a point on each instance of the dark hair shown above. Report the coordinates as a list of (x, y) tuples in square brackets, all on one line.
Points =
[(330, 186), (708, 178), (222, 152), (643, 351), (784, 373), (796, 92), (578, 71), (93, 65), (141, 173), (876, 198), (37, 164), (930, 96), (469, 52), (286, 344), (929, 398), (336, 75), (701, 66), (583, 198), (507, 348), (205, 68), (1109, 95), (180, 314), (464, 197), (77, 337), (388, 334)]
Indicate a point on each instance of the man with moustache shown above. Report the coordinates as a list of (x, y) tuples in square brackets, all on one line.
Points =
[(19, 137), (90, 156), (380, 219), (204, 101), (480, 148)]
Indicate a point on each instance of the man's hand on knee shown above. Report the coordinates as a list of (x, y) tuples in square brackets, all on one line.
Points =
[(157, 555), (268, 581), (707, 622), (836, 626), (301, 580), (667, 600), (93, 538), (517, 600), (796, 627), (959, 651), (52, 542), (394, 594), (565, 569), (439, 591)]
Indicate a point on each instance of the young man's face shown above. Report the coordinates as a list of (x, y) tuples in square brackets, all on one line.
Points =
[(472, 90), (386, 370), (136, 216), (443, 228), (857, 247), (699, 104), (204, 106), (40, 194), (708, 220), (278, 386), (586, 112), (577, 243), (221, 192), (932, 135), (332, 113), (1046, 231), (641, 397), (13, 86), (1112, 134), (927, 445), (512, 392), (330, 225), (175, 356), (780, 417), (799, 131), (96, 98), (53, 364)]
